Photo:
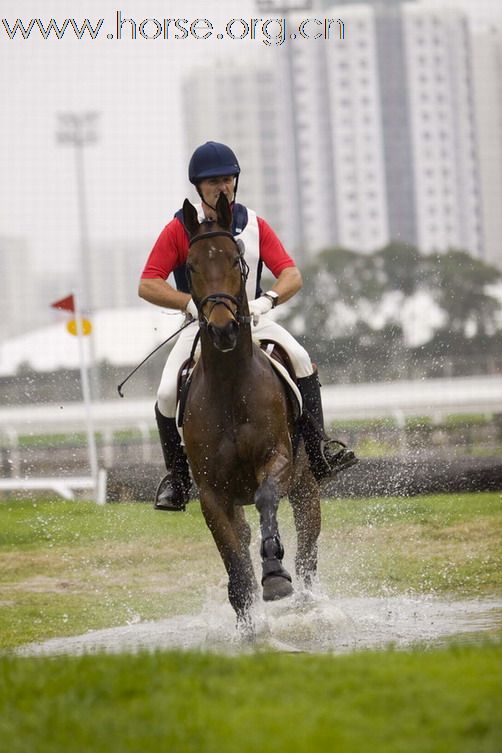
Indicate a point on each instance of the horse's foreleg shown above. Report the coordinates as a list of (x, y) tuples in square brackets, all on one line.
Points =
[(276, 580), (305, 501), (231, 536)]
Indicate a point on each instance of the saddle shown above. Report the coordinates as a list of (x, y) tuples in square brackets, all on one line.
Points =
[(278, 358)]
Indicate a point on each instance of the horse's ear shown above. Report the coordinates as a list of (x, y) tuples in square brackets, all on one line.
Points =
[(224, 212), (190, 218)]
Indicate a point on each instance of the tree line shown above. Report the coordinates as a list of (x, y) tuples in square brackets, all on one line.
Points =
[(398, 313)]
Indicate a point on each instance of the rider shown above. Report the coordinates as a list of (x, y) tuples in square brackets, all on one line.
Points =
[(214, 169)]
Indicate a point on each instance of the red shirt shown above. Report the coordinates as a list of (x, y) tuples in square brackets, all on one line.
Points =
[(171, 250)]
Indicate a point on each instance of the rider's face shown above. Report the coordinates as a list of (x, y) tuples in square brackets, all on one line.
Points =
[(211, 188)]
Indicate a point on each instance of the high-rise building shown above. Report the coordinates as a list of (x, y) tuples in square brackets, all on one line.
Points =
[(486, 71), (17, 289), (441, 123), (356, 132), (395, 115), (393, 132), (241, 105), (114, 272)]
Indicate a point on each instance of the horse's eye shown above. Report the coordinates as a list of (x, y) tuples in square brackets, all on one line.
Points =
[(236, 262), (190, 268)]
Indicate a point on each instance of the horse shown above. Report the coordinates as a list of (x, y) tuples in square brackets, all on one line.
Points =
[(239, 425)]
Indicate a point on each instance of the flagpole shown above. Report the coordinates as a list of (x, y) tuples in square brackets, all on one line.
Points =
[(86, 395)]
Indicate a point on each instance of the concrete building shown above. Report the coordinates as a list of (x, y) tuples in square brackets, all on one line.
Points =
[(397, 142), (356, 132), (242, 105), (444, 158), (486, 71), (17, 288), (393, 133), (114, 272)]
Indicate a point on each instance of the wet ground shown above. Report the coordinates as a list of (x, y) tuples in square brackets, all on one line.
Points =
[(304, 622)]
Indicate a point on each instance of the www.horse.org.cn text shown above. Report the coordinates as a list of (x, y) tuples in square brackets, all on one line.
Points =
[(269, 31)]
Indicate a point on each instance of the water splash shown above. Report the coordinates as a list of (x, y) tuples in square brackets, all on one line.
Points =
[(306, 622)]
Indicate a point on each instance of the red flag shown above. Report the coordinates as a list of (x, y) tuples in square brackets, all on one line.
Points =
[(67, 304)]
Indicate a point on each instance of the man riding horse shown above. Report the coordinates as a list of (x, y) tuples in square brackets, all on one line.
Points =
[(214, 170)]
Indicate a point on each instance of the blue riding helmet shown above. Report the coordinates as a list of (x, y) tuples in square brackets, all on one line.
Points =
[(211, 160)]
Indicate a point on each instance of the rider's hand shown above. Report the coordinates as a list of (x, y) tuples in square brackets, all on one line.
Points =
[(191, 310), (258, 307)]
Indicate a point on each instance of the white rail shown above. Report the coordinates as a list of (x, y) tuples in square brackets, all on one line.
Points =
[(64, 486)]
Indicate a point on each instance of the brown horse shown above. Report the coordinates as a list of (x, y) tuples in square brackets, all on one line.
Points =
[(238, 425)]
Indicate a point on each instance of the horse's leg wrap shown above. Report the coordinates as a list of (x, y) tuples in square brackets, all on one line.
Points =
[(272, 552)]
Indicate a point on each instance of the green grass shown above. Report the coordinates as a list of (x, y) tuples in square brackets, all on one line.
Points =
[(451, 421), (445, 701), (436, 544), (68, 567), (78, 438)]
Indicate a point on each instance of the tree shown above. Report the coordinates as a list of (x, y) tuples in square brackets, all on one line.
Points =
[(352, 304), (459, 283)]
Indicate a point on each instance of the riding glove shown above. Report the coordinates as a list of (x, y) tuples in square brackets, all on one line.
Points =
[(258, 307), (191, 310)]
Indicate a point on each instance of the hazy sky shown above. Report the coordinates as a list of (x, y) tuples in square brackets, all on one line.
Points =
[(136, 173)]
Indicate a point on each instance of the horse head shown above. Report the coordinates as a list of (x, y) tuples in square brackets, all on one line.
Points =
[(217, 274)]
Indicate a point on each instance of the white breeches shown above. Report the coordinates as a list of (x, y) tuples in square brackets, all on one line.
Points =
[(266, 329)]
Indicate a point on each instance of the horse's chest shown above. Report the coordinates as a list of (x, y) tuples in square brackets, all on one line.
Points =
[(224, 457)]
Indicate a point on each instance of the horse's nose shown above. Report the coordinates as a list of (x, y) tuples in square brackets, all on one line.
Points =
[(224, 338)]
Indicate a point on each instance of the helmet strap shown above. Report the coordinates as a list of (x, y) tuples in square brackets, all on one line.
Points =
[(207, 203)]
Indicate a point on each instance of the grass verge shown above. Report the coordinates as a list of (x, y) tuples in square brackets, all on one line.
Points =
[(390, 702)]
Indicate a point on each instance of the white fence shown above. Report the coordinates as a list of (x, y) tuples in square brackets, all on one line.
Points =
[(435, 398)]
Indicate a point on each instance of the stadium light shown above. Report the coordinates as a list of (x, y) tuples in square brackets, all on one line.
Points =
[(79, 130)]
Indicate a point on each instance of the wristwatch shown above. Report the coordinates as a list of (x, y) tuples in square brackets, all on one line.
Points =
[(272, 296)]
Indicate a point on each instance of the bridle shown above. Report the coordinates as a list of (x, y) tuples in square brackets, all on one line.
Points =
[(221, 299)]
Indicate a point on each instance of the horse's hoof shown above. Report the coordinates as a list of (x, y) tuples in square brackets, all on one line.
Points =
[(276, 587)]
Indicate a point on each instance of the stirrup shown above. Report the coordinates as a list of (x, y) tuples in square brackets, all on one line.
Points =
[(337, 456), (171, 496)]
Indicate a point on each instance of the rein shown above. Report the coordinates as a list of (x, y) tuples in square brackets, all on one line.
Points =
[(220, 299), (183, 326), (217, 299)]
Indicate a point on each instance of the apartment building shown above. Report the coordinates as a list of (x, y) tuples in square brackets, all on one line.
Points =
[(391, 133)]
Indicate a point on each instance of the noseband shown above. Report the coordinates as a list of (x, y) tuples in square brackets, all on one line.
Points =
[(222, 299)]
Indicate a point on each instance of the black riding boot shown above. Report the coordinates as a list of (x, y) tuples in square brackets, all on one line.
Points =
[(327, 456), (173, 491)]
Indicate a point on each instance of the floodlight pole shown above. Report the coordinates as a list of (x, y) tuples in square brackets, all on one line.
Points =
[(78, 130)]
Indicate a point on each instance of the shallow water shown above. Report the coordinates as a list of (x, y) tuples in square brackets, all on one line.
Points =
[(305, 622)]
